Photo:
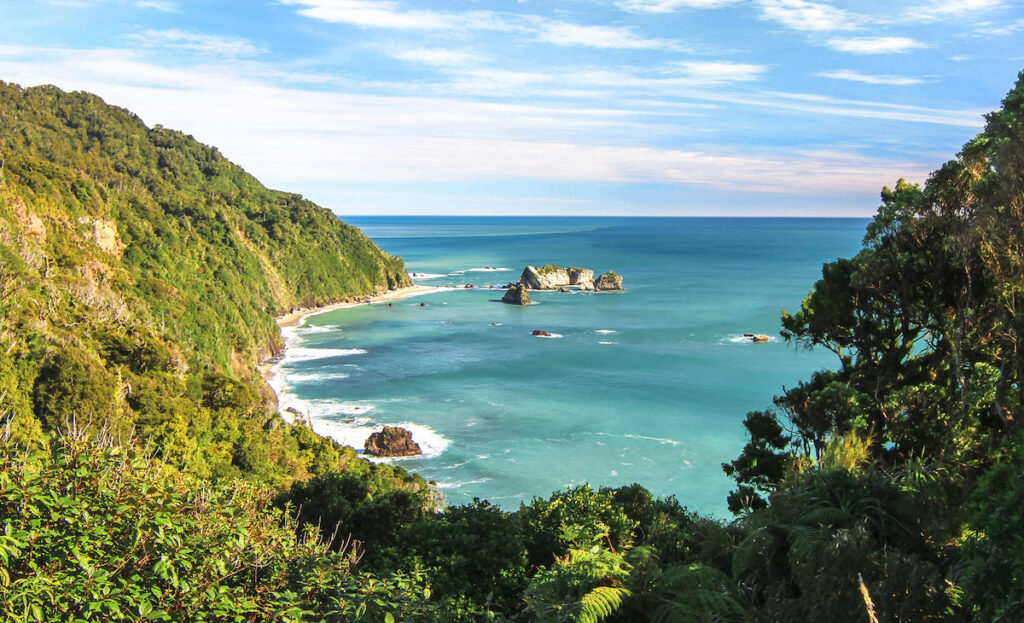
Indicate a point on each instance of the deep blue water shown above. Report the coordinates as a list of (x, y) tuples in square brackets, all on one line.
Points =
[(650, 385)]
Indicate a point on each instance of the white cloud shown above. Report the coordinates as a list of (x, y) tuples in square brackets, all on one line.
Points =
[(669, 6), (440, 57), (290, 136), (875, 45), (198, 42), (389, 14), (710, 73), (856, 76), (604, 37), (159, 5), (939, 10), (808, 16), (1001, 30)]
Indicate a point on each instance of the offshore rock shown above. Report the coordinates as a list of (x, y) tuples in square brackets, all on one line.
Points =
[(392, 441), (547, 277), (516, 295), (608, 281), (541, 333), (583, 277)]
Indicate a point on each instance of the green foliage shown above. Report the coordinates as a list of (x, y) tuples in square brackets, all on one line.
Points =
[(101, 533), (993, 558)]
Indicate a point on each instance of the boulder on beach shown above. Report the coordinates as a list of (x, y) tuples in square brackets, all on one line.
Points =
[(392, 441), (608, 281), (516, 295)]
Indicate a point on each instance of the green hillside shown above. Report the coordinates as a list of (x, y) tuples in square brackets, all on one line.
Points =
[(140, 273)]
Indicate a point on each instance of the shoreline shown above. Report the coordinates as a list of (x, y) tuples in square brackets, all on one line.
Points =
[(296, 318)]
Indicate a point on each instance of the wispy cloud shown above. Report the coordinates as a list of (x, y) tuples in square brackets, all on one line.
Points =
[(856, 76), (999, 30), (291, 135), (875, 45), (713, 73), (669, 6), (808, 16), (159, 5), (198, 42), (939, 10), (439, 57), (392, 15), (602, 37)]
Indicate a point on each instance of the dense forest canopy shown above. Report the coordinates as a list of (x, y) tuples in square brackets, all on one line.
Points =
[(146, 475)]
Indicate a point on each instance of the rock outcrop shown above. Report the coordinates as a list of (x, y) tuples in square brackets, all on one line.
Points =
[(541, 333), (583, 277), (757, 337), (608, 281), (392, 441), (548, 277), (516, 295)]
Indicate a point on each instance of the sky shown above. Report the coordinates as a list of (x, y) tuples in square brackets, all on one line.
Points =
[(545, 107)]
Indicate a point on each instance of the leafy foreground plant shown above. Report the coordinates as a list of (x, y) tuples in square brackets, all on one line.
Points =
[(97, 532)]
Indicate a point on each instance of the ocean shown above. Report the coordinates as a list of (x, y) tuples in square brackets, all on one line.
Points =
[(648, 385)]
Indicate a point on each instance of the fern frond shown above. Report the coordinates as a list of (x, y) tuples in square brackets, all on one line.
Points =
[(602, 602)]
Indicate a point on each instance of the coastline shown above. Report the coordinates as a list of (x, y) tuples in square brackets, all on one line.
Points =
[(295, 318)]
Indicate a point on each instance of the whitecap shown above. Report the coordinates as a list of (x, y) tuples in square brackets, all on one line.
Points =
[(300, 353), (605, 331), (659, 440), (551, 336), (462, 484), (487, 269), (607, 342), (312, 329), (427, 275), (312, 377)]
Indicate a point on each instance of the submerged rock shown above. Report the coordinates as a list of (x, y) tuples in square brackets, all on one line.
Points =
[(516, 295), (392, 441), (608, 281)]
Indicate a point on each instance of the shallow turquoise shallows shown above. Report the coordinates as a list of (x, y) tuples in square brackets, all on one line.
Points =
[(649, 385)]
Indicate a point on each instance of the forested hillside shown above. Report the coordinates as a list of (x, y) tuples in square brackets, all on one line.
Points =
[(140, 273), (887, 489)]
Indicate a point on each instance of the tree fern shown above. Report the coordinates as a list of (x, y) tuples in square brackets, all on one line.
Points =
[(602, 602)]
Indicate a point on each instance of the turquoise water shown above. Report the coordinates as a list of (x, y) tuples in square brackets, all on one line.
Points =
[(650, 385)]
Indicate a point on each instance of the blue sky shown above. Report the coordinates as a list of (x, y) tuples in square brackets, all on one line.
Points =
[(635, 107)]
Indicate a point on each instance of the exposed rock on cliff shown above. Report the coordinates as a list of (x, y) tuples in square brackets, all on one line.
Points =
[(392, 441), (608, 281), (516, 295)]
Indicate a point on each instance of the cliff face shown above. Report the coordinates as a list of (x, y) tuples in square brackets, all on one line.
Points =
[(140, 273)]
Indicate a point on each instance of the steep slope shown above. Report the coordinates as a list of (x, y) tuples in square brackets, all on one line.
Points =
[(140, 273)]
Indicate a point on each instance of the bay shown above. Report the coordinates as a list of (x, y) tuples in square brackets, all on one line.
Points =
[(649, 385)]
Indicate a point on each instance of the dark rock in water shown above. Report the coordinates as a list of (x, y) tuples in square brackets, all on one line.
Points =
[(540, 333), (608, 281), (468, 286), (563, 289), (760, 338), (490, 287), (516, 295), (423, 304), (392, 441)]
